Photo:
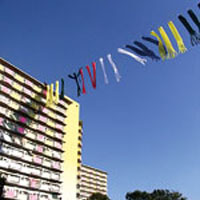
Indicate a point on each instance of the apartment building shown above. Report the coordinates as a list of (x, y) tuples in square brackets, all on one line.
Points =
[(40, 146), (79, 158), (92, 181)]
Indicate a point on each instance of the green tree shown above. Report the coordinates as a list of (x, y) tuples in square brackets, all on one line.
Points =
[(155, 195), (98, 196)]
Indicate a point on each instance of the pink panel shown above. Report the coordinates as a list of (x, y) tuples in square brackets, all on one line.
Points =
[(39, 148), (33, 197), (7, 80), (33, 183), (59, 135), (62, 102), (37, 160), (27, 91), (56, 165), (5, 89), (58, 126), (45, 110), (58, 145), (10, 193), (22, 119), (43, 119), (9, 71), (40, 137), (20, 130), (41, 128), (28, 82)]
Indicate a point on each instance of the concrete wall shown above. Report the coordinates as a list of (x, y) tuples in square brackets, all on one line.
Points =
[(69, 176)]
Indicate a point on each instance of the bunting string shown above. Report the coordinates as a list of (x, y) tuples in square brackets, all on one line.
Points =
[(75, 78), (137, 58), (171, 51), (179, 40), (57, 92), (82, 80), (47, 95), (93, 79), (194, 36), (138, 51), (62, 88), (144, 51), (104, 70), (194, 18), (161, 47), (148, 51), (51, 99), (116, 72), (153, 41)]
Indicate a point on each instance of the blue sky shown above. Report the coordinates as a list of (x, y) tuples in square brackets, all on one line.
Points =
[(144, 131)]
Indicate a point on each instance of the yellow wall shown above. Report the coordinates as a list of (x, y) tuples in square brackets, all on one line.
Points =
[(69, 176)]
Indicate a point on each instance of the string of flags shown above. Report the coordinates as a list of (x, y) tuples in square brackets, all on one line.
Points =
[(138, 51)]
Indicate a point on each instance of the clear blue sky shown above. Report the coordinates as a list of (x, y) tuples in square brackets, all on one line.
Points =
[(145, 130)]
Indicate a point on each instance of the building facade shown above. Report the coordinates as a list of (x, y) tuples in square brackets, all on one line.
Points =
[(92, 181), (79, 161), (40, 147)]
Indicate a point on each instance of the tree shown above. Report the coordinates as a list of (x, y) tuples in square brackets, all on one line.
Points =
[(98, 196), (155, 195)]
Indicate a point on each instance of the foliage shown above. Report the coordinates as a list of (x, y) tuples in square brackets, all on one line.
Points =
[(155, 195), (98, 196)]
